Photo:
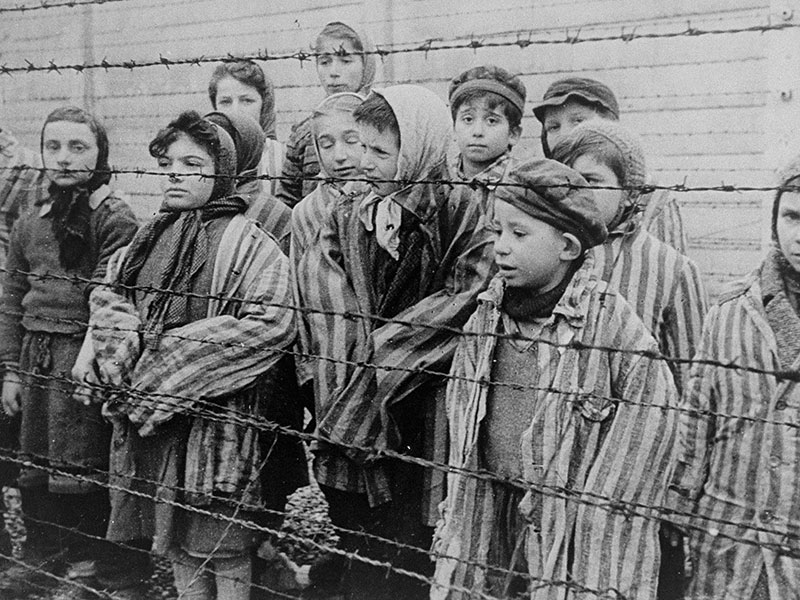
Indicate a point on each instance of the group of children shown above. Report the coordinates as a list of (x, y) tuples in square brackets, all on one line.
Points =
[(514, 385)]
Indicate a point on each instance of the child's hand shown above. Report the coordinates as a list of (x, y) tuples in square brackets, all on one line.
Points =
[(12, 394), (84, 373)]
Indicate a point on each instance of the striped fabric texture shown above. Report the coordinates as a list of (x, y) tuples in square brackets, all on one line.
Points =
[(662, 286), (739, 450), (364, 367), (662, 219), (598, 431), (19, 178)]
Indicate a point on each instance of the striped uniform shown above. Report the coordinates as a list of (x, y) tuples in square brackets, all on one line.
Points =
[(662, 219), (581, 437), (19, 178), (662, 286), (734, 469), (333, 283)]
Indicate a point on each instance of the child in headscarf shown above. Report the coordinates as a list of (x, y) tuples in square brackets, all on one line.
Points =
[(193, 363), (242, 87), (736, 481), (403, 252), (344, 64), (271, 214), (59, 249)]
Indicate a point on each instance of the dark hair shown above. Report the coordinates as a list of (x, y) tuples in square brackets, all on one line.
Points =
[(376, 112), (791, 182), (74, 114), (593, 144), (498, 74), (248, 73), (338, 31), (189, 123)]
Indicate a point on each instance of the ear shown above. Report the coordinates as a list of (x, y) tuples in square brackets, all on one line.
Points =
[(513, 136), (572, 247)]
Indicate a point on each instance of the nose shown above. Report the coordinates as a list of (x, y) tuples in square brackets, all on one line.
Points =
[(500, 245), (477, 128), (63, 156), (366, 162)]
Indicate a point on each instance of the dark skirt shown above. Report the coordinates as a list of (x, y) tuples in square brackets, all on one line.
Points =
[(56, 431)]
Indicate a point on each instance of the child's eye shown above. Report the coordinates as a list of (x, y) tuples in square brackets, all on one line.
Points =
[(163, 162), (248, 101), (224, 102), (353, 139), (325, 144), (78, 148), (552, 127), (52, 146), (578, 119), (493, 121)]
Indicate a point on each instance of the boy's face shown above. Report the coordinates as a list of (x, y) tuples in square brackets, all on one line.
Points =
[(482, 133), (597, 173), (788, 228), (379, 160), (69, 153), (560, 120), (339, 69), (529, 253), (339, 144)]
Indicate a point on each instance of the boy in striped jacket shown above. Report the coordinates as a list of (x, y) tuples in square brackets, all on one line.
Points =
[(560, 446), (661, 284), (736, 483)]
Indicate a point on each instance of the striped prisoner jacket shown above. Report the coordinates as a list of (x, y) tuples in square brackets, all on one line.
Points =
[(661, 217), (661, 285), (599, 414), (739, 447)]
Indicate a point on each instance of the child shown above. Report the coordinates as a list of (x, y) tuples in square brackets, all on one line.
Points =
[(568, 102), (242, 87), (487, 104), (533, 401), (737, 461), (70, 231), (343, 65), (195, 365), (400, 253), (271, 214)]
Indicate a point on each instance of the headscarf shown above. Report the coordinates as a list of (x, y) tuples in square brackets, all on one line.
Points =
[(70, 210), (344, 102), (627, 144), (188, 245), (248, 140), (339, 30)]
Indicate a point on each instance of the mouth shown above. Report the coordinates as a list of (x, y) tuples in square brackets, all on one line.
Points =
[(504, 269), (174, 192), (344, 171)]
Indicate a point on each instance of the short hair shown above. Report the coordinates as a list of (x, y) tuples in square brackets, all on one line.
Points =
[(498, 74), (376, 112), (201, 131), (248, 73), (594, 144), (74, 114), (337, 30)]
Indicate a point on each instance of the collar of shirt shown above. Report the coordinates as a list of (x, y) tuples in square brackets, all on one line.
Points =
[(96, 198), (491, 175)]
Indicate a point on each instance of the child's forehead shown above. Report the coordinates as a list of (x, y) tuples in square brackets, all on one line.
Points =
[(68, 130), (371, 135), (485, 101), (337, 120), (332, 45)]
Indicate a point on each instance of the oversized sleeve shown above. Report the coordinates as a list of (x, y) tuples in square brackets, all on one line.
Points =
[(116, 226), (218, 355), (290, 187), (683, 321), (15, 286), (664, 221), (417, 344), (696, 430)]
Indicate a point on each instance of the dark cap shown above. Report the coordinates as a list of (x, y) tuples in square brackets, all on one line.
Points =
[(588, 90), (552, 192)]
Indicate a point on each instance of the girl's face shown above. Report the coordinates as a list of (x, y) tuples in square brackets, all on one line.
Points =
[(597, 173), (189, 164), (339, 144), (233, 96), (339, 68), (788, 228), (69, 153)]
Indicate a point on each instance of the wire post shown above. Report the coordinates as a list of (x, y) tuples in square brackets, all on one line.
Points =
[(88, 57)]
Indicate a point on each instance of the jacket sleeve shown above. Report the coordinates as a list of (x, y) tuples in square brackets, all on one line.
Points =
[(116, 226), (15, 286), (697, 425), (684, 321), (290, 187), (664, 221)]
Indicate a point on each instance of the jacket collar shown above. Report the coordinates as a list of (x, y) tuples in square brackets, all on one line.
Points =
[(96, 198)]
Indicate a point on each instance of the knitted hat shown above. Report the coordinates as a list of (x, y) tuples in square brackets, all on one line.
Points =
[(788, 175), (582, 88), (552, 192), (488, 78), (586, 136)]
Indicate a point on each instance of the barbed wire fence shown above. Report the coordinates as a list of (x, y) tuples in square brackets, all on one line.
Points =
[(788, 543)]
